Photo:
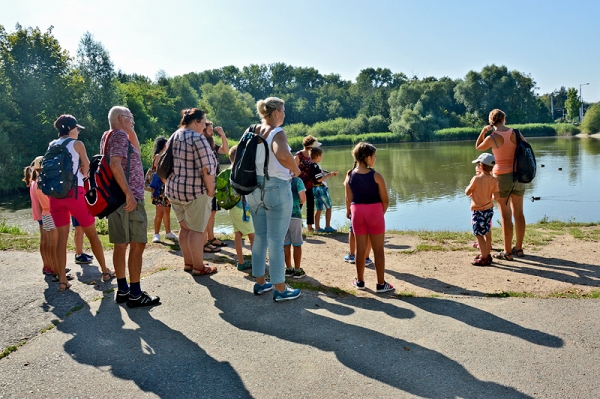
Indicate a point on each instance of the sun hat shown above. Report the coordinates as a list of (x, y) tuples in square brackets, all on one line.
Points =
[(486, 159), (316, 144)]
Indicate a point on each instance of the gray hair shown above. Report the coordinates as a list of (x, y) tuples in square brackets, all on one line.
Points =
[(114, 113)]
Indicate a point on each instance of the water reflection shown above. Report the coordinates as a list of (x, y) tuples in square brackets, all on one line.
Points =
[(426, 183)]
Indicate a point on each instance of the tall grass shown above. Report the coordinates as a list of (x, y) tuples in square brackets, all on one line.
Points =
[(9, 229)]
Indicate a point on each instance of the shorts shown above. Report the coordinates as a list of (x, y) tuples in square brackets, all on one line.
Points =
[(367, 219), (63, 208), (322, 197), (48, 222), (482, 221), (505, 184), (125, 227), (74, 222), (239, 225), (161, 200), (194, 213), (294, 233), (40, 222)]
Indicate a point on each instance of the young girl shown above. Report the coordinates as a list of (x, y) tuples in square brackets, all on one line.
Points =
[(366, 203), (163, 206)]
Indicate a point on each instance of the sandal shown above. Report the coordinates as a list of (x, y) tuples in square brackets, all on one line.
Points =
[(503, 255), (62, 287), (56, 277), (480, 261), (187, 267), (208, 247), (217, 244), (109, 275), (518, 252), (204, 270)]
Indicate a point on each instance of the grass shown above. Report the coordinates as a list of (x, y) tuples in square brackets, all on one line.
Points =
[(9, 229), (73, 310), (574, 294), (11, 349)]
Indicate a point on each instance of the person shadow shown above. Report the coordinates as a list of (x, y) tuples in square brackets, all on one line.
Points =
[(398, 363), (144, 350)]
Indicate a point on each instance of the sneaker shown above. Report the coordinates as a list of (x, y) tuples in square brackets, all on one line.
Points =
[(289, 271), (368, 262), (82, 259), (359, 285), (142, 300), (47, 271), (350, 258), (156, 238), (259, 289), (122, 297), (287, 295), (243, 266), (385, 287), (299, 273), (90, 257), (330, 230), (171, 236)]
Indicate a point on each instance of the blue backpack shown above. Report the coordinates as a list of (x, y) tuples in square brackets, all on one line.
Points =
[(57, 178)]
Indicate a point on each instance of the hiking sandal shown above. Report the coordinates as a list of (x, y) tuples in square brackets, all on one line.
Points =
[(108, 275), (518, 252), (209, 248), (503, 256), (62, 287)]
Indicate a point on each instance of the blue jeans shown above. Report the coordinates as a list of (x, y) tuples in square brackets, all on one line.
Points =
[(271, 218)]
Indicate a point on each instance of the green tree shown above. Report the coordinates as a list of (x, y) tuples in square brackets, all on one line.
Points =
[(591, 120), (572, 104), (228, 108)]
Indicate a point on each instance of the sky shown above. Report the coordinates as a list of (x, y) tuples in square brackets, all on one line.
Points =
[(555, 42)]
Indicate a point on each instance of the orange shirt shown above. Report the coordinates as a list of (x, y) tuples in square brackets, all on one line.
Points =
[(481, 190), (505, 155)]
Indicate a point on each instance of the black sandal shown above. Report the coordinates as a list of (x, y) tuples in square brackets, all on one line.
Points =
[(208, 247), (220, 244)]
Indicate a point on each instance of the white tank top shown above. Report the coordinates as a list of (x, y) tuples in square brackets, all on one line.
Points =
[(75, 156), (274, 168)]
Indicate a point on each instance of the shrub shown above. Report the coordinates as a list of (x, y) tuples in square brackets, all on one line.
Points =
[(378, 123), (591, 120)]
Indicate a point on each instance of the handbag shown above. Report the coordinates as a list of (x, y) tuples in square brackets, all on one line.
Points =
[(165, 163), (148, 180)]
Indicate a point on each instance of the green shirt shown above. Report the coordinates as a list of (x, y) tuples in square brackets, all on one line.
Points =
[(297, 188)]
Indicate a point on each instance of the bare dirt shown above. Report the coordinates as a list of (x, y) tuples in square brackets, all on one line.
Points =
[(564, 266)]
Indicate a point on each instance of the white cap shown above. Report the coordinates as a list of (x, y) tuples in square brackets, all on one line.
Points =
[(486, 158)]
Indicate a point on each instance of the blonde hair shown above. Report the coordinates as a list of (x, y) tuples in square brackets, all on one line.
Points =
[(232, 152), (266, 107), (496, 116)]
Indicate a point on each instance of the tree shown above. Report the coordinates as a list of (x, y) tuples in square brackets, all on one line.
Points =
[(228, 108), (572, 104), (591, 120)]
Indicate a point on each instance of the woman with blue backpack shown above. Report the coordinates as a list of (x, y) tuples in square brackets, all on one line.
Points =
[(69, 200), (503, 142)]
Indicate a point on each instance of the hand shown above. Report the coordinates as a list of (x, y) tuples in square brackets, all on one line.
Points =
[(130, 202), (348, 215), (335, 173), (219, 130), (487, 129), (210, 193)]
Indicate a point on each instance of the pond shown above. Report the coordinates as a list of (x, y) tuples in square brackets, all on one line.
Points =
[(426, 183)]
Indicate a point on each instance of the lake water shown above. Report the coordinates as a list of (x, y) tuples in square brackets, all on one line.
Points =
[(426, 183)]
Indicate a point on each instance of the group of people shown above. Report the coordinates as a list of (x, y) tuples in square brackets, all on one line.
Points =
[(270, 216)]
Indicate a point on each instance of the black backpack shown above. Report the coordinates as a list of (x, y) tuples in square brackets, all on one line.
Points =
[(243, 172), (524, 165), (57, 178)]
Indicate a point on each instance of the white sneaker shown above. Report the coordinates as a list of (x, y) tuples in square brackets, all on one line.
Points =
[(156, 238), (171, 236)]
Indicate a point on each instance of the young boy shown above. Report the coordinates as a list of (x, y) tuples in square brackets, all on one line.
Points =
[(482, 189), (241, 219), (294, 233), (351, 257), (321, 191)]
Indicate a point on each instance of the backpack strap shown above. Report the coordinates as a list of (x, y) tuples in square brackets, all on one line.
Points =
[(129, 151), (63, 146)]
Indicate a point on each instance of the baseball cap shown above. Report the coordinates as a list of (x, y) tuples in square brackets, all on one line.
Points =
[(486, 158), (69, 122)]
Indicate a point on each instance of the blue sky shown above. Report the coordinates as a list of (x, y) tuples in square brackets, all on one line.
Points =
[(556, 42)]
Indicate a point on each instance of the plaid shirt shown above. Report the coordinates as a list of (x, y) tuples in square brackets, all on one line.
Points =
[(191, 153)]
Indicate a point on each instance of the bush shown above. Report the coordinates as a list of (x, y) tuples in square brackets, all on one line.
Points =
[(349, 139), (528, 130), (591, 120), (296, 130), (378, 123)]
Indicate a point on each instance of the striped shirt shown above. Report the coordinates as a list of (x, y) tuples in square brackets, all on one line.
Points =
[(191, 153)]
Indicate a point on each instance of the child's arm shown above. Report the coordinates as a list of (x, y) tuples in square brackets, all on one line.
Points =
[(302, 195), (327, 175), (383, 194), (348, 195), (470, 188)]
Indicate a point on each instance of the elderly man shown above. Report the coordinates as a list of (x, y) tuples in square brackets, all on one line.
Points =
[(127, 225)]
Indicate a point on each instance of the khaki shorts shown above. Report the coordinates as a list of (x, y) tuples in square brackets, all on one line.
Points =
[(195, 213), (505, 184), (125, 227)]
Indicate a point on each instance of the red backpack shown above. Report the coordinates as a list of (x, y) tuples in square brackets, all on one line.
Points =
[(103, 195)]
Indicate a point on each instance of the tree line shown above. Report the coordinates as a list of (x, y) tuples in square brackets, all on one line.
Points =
[(39, 80)]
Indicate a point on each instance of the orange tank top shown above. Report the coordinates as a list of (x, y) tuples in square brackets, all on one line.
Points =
[(504, 155)]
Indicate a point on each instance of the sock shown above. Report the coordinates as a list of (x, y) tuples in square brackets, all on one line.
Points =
[(136, 289), (122, 284)]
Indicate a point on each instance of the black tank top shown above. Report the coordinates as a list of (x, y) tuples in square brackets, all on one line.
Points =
[(364, 188)]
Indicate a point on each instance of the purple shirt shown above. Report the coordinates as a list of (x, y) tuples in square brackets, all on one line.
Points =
[(118, 146)]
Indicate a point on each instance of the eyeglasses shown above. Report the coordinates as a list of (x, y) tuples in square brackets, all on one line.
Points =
[(127, 116)]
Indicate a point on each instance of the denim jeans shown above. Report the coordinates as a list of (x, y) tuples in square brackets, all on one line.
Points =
[(271, 218)]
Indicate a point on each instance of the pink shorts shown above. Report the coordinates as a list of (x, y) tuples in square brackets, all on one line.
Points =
[(367, 219), (62, 209)]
